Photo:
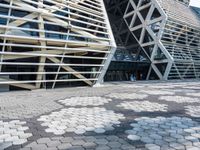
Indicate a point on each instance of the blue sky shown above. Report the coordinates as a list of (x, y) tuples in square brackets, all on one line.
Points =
[(195, 3)]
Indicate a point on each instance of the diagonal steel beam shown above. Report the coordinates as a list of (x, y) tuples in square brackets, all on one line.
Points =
[(69, 69)]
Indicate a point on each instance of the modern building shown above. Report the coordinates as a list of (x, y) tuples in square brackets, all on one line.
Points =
[(53, 43), (59, 43), (166, 31)]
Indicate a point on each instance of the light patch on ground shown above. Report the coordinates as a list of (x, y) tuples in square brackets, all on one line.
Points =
[(144, 106), (157, 92), (194, 94), (184, 90), (160, 87), (166, 133), (80, 120), (127, 96), (85, 101), (192, 87), (26, 107), (193, 111), (133, 86), (13, 133), (179, 99)]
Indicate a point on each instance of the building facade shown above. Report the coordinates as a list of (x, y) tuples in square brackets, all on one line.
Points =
[(169, 32), (59, 43), (129, 58), (53, 43)]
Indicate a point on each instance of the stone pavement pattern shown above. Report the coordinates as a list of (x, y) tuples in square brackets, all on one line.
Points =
[(116, 116)]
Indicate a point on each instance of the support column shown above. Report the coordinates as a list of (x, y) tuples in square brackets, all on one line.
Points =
[(43, 44)]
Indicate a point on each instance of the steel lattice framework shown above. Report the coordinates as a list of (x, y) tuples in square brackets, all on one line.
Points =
[(169, 33), (126, 43), (54, 41)]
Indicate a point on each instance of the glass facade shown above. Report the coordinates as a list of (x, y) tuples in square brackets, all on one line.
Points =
[(160, 37), (129, 59)]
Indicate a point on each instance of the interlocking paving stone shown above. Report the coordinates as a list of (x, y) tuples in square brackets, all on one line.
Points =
[(90, 118), (158, 140), (64, 146), (88, 142), (193, 87), (103, 147), (180, 99), (79, 119), (85, 101), (4, 145), (78, 142), (13, 132), (152, 147), (145, 106), (134, 137), (193, 111), (127, 96), (158, 92), (99, 130), (53, 143), (39, 146), (43, 140), (177, 146), (25, 107), (193, 94), (192, 148), (25, 148)]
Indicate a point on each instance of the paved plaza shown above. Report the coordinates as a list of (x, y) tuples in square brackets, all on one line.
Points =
[(115, 116)]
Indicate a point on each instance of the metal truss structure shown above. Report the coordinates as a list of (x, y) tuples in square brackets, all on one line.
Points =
[(51, 42), (127, 47), (169, 33), (129, 58)]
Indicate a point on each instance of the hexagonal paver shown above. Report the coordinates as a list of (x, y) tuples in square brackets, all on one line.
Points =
[(80, 120), (26, 106), (193, 94), (143, 106), (83, 142), (193, 111), (85, 101), (132, 86), (94, 118), (180, 99), (158, 92), (13, 132), (163, 132), (192, 87), (127, 96)]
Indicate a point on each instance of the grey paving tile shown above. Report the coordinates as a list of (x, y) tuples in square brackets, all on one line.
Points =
[(5, 145), (37, 146), (66, 139), (78, 142), (114, 144), (102, 147), (53, 143), (126, 116), (64, 146), (43, 140)]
